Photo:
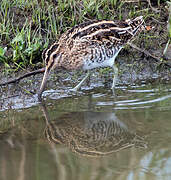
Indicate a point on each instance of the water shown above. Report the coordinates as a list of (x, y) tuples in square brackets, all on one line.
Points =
[(92, 135)]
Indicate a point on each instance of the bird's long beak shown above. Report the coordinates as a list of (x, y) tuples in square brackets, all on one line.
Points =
[(42, 87)]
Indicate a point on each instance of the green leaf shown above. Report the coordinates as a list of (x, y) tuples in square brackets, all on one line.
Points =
[(18, 39), (7, 65), (169, 20), (2, 51), (32, 48)]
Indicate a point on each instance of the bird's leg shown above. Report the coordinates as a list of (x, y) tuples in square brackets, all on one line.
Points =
[(88, 81), (81, 82), (115, 70)]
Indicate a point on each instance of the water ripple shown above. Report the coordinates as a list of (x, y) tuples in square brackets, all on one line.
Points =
[(141, 102)]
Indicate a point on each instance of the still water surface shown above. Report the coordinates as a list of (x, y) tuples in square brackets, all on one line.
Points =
[(93, 136)]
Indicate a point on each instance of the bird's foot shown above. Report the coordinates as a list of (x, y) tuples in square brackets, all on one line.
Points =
[(75, 89), (113, 91), (39, 95)]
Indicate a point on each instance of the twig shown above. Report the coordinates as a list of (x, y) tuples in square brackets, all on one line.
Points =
[(162, 23), (158, 59), (153, 9), (24, 76), (148, 1), (167, 45)]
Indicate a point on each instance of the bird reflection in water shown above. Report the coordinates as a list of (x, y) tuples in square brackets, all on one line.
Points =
[(91, 133)]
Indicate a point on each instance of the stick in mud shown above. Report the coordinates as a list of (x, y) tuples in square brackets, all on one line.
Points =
[(42, 70), (157, 59)]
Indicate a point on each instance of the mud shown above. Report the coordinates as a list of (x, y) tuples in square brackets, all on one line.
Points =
[(132, 72)]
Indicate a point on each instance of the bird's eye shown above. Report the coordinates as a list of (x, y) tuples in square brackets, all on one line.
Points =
[(54, 56)]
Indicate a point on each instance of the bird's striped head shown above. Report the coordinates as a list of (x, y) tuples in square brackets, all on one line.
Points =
[(51, 58), (137, 25)]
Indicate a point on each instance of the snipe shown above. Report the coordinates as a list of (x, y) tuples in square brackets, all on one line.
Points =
[(90, 45)]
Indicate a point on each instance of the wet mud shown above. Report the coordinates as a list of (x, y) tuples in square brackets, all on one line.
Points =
[(23, 94)]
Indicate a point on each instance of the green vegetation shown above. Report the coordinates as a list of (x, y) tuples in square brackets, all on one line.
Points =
[(168, 28), (28, 26)]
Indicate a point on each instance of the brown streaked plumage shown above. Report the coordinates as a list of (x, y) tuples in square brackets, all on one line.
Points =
[(92, 134), (90, 45)]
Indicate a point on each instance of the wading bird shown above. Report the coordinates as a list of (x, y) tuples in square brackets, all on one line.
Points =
[(90, 45)]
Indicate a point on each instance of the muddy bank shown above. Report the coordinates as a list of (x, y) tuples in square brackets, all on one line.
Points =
[(132, 72)]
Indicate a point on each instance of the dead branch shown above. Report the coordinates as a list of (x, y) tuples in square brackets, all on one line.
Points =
[(158, 59), (23, 76)]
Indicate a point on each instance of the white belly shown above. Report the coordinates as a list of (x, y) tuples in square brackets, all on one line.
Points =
[(91, 65), (96, 63)]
